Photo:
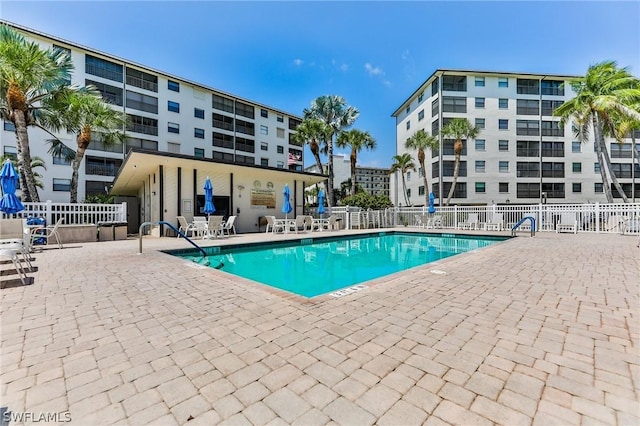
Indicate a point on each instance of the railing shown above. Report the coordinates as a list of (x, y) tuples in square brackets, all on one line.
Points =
[(598, 218), (73, 213)]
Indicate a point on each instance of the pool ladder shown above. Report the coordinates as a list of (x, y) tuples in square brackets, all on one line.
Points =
[(180, 234), (520, 222)]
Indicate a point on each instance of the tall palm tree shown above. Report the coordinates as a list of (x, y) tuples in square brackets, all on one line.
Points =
[(627, 127), (314, 133), (83, 112), (403, 163), (604, 93), (357, 140), (420, 141), (333, 111), (28, 75), (458, 129)]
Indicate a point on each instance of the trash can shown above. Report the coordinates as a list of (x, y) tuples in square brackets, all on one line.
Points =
[(111, 231)]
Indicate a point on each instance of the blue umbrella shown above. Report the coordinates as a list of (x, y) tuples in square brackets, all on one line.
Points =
[(321, 202), (286, 207), (432, 201), (9, 203), (208, 197)]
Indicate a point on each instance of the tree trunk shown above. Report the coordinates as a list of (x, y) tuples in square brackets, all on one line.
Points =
[(607, 160), (330, 171), (24, 156), (456, 170), (404, 190), (83, 142), (597, 131), (424, 177), (315, 150), (354, 159), (23, 182)]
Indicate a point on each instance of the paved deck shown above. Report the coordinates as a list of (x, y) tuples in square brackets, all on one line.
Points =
[(540, 330)]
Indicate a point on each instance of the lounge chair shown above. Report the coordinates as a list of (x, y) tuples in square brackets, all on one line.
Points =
[(49, 232), (434, 221), (567, 223), (274, 225), (356, 220), (496, 223), (12, 254), (185, 227), (299, 224), (214, 227), (228, 226), (471, 222)]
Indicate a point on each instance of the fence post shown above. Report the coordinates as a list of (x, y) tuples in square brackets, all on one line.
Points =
[(123, 212), (48, 214), (597, 208), (455, 217)]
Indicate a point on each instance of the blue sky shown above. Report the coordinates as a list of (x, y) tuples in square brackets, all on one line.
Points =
[(374, 54)]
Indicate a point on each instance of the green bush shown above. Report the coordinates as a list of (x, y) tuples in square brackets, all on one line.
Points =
[(367, 201)]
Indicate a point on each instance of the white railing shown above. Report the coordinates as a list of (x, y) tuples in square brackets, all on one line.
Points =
[(600, 218), (73, 213)]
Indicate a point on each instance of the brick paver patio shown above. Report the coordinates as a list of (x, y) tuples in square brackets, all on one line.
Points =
[(541, 330)]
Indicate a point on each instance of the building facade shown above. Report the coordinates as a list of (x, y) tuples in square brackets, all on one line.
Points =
[(522, 153), (373, 180), (165, 114)]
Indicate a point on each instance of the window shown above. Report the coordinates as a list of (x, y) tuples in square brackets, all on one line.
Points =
[(142, 143), (198, 133), (246, 145), (576, 187), (435, 108), (280, 119), (454, 83), (173, 86), (224, 156), (222, 103), (142, 102), (527, 169), (103, 68), (222, 122), (549, 106), (528, 190), (576, 167), (454, 104), (553, 149), (503, 124), (12, 152), (421, 97), (527, 107), (408, 176), (621, 150), (264, 146), (480, 123), (503, 166), (503, 187), (480, 166), (198, 113), (421, 115), (448, 147), (480, 187), (144, 125), (480, 144), (280, 164), (9, 126), (63, 185), (245, 110), (552, 87), (421, 190), (294, 123), (553, 190), (479, 102), (621, 170), (479, 81), (525, 86), (553, 170), (109, 93), (596, 168), (264, 162), (576, 146), (408, 124), (222, 140), (408, 192), (434, 87), (244, 159), (198, 152), (503, 103), (264, 113), (173, 147), (59, 159), (420, 172), (503, 82), (552, 128), (528, 127), (503, 145), (280, 149), (264, 130), (280, 132), (173, 106), (408, 109), (598, 188), (142, 80), (435, 128), (173, 127)]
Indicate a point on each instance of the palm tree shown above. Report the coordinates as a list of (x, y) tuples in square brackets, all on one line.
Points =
[(83, 113), (357, 140), (403, 163), (458, 129), (625, 127), (28, 75), (334, 112), (421, 140), (313, 133), (604, 93)]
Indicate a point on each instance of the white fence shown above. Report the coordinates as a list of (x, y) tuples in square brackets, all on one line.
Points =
[(73, 213), (600, 218)]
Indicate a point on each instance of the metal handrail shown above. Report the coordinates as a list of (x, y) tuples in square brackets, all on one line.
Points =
[(162, 222), (520, 222)]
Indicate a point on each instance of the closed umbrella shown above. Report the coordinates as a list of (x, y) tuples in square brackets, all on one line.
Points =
[(321, 202), (9, 203), (286, 206), (208, 197), (432, 202)]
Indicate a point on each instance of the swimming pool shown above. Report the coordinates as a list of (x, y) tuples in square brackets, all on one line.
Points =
[(315, 266)]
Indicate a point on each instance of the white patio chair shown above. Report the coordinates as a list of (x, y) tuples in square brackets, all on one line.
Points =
[(12, 254), (496, 223), (298, 225), (214, 227), (229, 226), (470, 223), (185, 226), (49, 232), (567, 223)]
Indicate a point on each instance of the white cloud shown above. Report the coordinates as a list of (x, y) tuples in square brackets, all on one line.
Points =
[(298, 62), (373, 70), (344, 67)]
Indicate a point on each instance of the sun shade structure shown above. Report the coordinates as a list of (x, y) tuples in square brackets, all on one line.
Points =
[(286, 206), (321, 202), (209, 208), (9, 203)]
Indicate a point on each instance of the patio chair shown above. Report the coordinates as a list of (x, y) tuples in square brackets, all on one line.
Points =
[(496, 223), (49, 232), (300, 224), (21, 245), (214, 227), (567, 223), (273, 225), (434, 221), (12, 254), (470, 223), (184, 226), (228, 226)]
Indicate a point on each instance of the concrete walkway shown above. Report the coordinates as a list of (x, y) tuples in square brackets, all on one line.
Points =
[(541, 330)]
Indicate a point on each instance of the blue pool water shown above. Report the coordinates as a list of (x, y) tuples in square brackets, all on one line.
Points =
[(315, 266)]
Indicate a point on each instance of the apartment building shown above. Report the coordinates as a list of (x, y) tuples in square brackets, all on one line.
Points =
[(166, 114), (373, 180), (522, 153)]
